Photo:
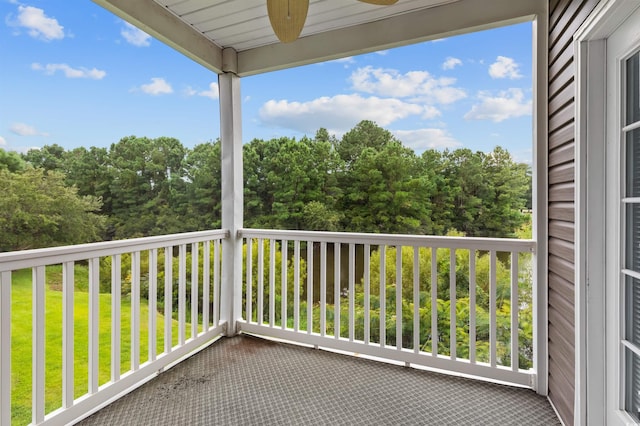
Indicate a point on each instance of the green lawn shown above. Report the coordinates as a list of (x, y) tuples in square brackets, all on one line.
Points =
[(21, 338)]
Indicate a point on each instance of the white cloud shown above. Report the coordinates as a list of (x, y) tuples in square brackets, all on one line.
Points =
[(382, 52), (430, 112), (349, 60), (38, 24), (445, 95), (337, 114), (507, 104), (213, 92), (69, 72), (3, 141), (420, 85), (158, 86), (450, 63), (505, 67), (421, 139), (22, 129), (133, 35)]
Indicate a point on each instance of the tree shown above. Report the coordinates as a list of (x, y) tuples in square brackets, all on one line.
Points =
[(468, 187), (283, 176), (508, 194), (367, 181), (257, 196), (148, 186), (322, 135), (489, 190), (90, 172), (318, 217), (38, 210), (441, 197), (49, 157), (366, 134), (386, 192), (11, 161), (204, 188)]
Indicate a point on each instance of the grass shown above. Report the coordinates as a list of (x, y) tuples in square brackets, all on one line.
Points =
[(21, 339)]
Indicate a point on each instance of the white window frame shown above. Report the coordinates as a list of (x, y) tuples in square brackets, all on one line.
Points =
[(593, 399)]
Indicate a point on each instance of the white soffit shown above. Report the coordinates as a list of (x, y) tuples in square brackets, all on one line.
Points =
[(244, 24), (201, 29)]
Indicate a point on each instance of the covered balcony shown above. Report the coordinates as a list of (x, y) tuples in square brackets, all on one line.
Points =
[(380, 297), (181, 312)]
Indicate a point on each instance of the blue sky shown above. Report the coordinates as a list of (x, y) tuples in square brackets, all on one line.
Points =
[(74, 74)]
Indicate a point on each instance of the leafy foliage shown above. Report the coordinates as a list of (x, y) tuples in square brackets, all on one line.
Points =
[(147, 186), (38, 210), (366, 181), (369, 182), (11, 161)]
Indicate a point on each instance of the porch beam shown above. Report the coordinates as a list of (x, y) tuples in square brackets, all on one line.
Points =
[(232, 193), (458, 17)]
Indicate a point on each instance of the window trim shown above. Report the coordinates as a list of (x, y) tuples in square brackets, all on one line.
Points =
[(592, 397)]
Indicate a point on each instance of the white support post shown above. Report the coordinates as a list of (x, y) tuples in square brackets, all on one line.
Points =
[(540, 199), (232, 191)]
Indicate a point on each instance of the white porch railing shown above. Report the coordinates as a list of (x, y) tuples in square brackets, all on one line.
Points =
[(457, 304), (192, 259), (481, 290)]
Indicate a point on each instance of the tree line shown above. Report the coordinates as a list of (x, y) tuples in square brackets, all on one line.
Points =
[(365, 181)]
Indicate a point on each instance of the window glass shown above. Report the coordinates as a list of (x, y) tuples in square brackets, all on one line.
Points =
[(633, 163), (633, 89), (632, 333), (632, 236), (632, 260), (632, 400)]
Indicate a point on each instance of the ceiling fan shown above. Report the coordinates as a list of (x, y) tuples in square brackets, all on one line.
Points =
[(287, 16)]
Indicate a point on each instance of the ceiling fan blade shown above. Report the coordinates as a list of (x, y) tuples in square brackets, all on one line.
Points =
[(380, 2), (287, 18)]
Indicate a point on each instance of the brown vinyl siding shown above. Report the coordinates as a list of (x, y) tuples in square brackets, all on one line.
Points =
[(562, 173), (565, 17), (562, 212), (562, 99), (561, 136), (562, 229)]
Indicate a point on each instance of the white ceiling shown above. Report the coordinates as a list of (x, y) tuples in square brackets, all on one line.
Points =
[(204, 29), (244, 24)]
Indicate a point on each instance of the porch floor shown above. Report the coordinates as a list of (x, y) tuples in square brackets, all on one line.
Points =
[(247, 381)]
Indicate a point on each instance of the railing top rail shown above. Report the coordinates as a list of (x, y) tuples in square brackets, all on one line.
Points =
[(477, 243), (55, 255)]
